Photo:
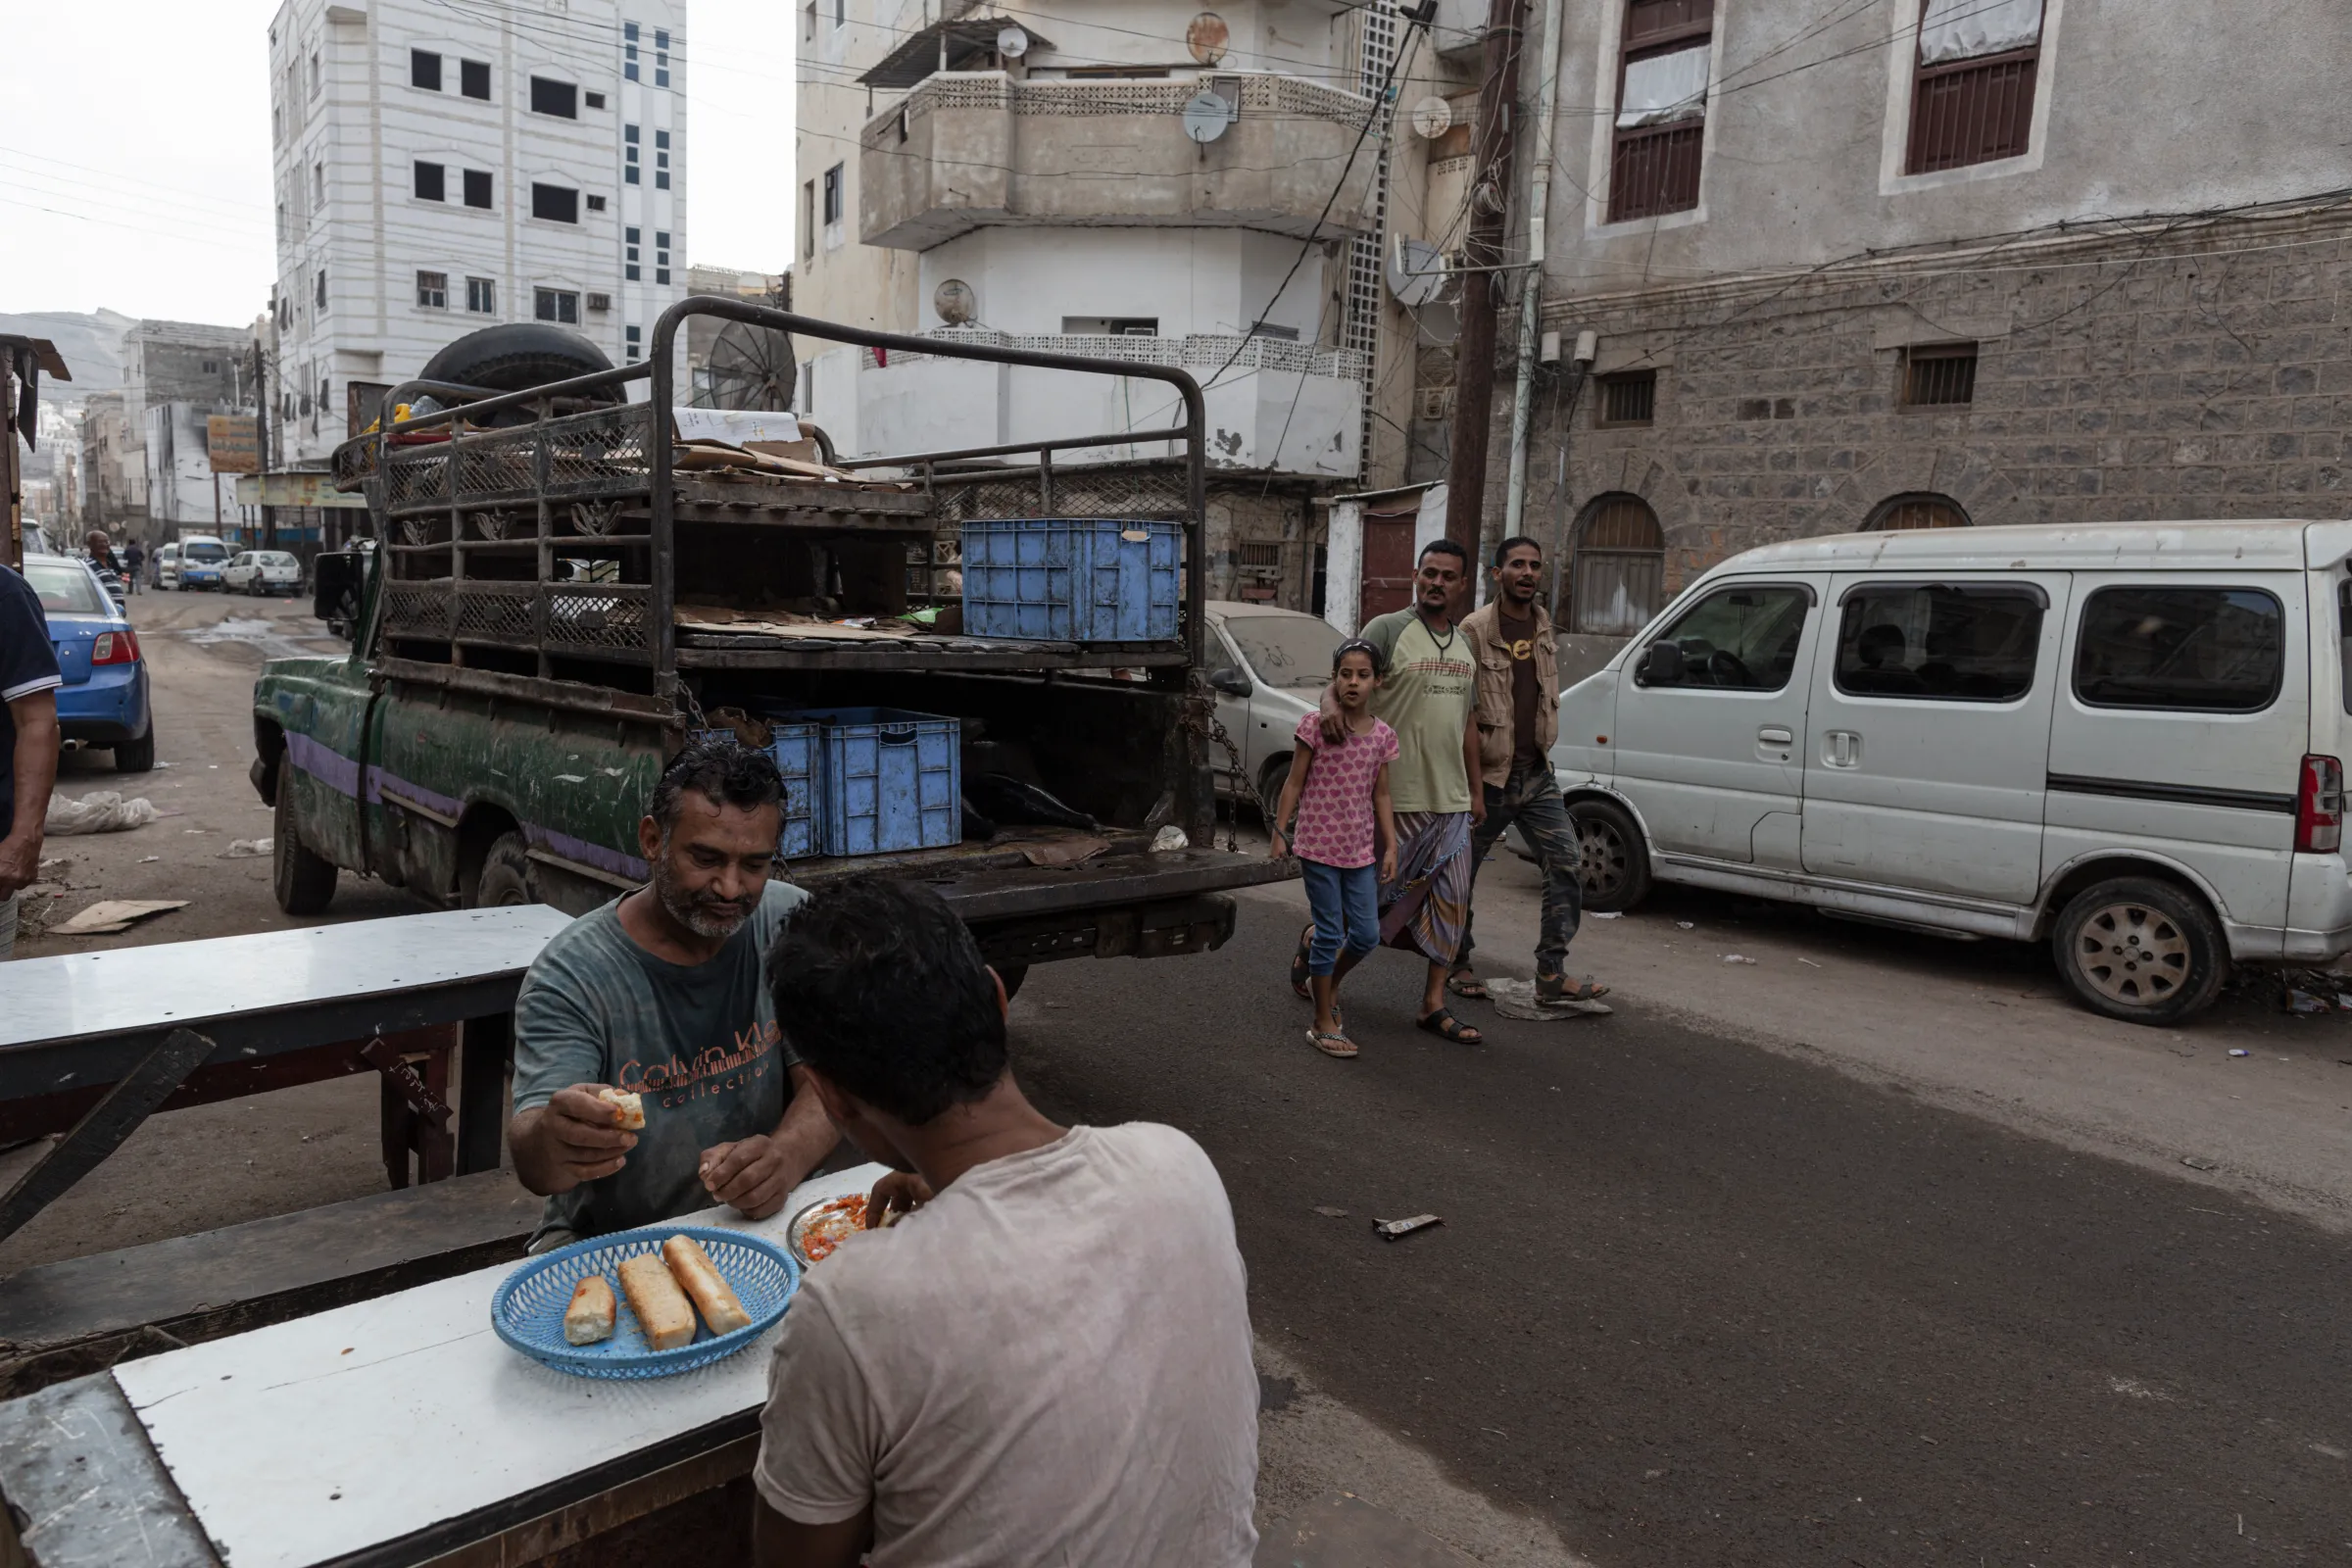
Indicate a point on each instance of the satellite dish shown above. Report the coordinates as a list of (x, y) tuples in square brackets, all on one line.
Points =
[(1207, 37), (1417, 271), (750, 368), (1205, 117), (1011, 42), (1433, 116), (956, 302)]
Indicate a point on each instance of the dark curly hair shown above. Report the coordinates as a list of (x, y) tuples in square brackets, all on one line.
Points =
[(721, 770), (879, 986)]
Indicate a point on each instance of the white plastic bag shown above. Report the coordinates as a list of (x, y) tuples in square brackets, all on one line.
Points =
[(99, 812)]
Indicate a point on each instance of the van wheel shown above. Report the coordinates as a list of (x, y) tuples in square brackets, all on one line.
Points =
[(304, 883), (507, 876), (1615, 862), (2141, 949), (1270, 782)]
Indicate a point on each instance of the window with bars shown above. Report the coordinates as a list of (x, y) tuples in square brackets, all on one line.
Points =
[(433, 290), (1661, 108), (1939, 375), (1629, 397), (1618, 575), (1915, 510), (1972, 93)]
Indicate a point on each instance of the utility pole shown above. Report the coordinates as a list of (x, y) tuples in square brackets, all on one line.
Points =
[(1482, 259), (260, 442)]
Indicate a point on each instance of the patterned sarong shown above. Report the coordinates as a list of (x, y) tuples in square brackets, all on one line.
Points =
[(1425, 910)]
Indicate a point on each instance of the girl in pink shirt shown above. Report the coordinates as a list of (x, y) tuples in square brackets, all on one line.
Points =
[(1339, 797)]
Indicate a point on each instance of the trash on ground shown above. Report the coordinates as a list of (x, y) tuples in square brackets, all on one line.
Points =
[(1329, 1212), (2305, 1002), (1737, 958), (1808, 963), (1516, 999), (1686, 925), (1169, 838), (2238, 1051), (247, 848), (1390, 1229), (145, 858), (108, 916), (99, 812), (2199, 1163), (51, 864), (1606, 914)]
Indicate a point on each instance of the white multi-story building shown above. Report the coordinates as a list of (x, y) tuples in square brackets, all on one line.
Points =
[(446, 165)]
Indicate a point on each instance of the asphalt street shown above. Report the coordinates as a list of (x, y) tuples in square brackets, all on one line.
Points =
[(1698, 1302)]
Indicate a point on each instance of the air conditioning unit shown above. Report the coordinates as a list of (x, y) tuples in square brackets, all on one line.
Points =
[(600, 302)]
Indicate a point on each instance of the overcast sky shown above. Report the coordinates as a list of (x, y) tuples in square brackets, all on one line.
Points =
[(134, 153)]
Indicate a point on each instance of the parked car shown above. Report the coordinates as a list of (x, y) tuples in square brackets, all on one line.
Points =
[(262, 572), (196, 562), (1268, 667), (104, 702), (163, 567), (2127, 740)]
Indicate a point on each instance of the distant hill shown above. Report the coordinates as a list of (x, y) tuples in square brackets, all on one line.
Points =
[(91, 343)]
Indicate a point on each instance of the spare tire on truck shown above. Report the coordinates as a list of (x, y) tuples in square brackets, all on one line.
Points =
[(515, 357)]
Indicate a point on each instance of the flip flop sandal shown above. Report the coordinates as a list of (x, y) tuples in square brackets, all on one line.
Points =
[(1299, 965), (1339, 1046), (1445, 1027), (1559, 988), (1464, 984)]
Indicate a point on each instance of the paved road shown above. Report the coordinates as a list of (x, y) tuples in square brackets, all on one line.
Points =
[(1700, 1303)]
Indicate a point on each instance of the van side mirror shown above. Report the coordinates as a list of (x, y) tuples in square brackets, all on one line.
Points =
[(1662, 666), (335, 588), (1231, 681)]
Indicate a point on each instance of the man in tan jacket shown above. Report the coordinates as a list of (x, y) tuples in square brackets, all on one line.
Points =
[(1518, 718)]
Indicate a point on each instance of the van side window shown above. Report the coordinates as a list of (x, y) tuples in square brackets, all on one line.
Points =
[(2194, 650), (1964, 643), (2344, 637), (1734, 639)]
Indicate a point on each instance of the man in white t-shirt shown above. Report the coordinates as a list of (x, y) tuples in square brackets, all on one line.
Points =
[(1047, 1358)]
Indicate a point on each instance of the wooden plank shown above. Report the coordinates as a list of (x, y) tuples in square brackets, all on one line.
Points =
[(84, 1314), (115, 1117), (85, 1489)]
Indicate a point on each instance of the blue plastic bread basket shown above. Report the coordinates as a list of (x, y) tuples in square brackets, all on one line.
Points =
[(528, 1309)]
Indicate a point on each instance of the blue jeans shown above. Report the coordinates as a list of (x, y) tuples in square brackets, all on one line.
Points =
[(1345, 903), (1530, 800)]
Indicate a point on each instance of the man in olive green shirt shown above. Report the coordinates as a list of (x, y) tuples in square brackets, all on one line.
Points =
[(1427, 694)]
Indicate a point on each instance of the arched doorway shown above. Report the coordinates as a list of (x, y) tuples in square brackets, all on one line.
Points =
[(1618, 575), (1917, 509)]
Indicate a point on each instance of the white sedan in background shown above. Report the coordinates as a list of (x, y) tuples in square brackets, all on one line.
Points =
[(263, 571), (1268, 667)]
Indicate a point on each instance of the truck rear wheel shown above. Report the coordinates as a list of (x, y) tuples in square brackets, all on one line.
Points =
[(304, 883), (507, 876), (2141, 949)]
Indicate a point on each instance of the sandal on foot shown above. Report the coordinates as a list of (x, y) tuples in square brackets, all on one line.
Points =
[(1299, 965), (1339, 1046), (1559, 988), (1462, 983), (1445, 1027)]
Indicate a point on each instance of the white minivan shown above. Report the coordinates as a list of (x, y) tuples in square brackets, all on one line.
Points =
[(2125, 738)]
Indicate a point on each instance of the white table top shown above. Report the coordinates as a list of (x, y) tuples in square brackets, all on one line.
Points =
[(301, 1442), (174, 983)]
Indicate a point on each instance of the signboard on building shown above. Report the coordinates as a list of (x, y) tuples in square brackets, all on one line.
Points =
[(234, 443), (295, 490)]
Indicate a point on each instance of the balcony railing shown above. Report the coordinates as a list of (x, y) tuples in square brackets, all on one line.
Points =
[(1201, 353), (1263, 93)]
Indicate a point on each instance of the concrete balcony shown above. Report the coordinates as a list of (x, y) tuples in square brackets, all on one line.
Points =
[(1278, 408), (965, 150)]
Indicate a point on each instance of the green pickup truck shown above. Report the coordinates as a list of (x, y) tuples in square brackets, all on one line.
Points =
[(562, 584)]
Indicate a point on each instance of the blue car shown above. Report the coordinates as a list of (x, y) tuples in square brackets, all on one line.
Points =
[(104, 699)]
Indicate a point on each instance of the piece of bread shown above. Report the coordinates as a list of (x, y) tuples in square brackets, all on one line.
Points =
[(628, 1111), (589, 1318), (701, 1279), (663, 1314)]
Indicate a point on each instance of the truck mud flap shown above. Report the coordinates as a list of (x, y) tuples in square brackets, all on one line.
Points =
[(1201, 923)]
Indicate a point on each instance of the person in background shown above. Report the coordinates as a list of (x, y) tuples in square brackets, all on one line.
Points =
[(101, 552), (658, 993), (134, 555), (1334, 804), (29, 736), (1518, 719), (1047, 1360), (1429, 698)]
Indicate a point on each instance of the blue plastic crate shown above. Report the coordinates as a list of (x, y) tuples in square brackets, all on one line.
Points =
[(892, 779), (794, 744), (1088, 580)]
